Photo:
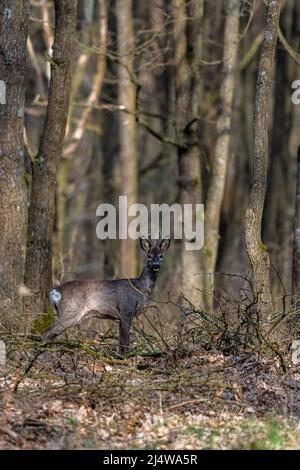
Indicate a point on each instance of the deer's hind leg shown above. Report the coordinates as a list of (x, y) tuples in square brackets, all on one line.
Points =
[(53, 330), (62, 323)]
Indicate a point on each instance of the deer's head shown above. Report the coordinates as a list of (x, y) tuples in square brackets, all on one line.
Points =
[(155, 251)]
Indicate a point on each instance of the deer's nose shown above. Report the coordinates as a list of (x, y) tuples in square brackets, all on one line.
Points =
[(156, 265)]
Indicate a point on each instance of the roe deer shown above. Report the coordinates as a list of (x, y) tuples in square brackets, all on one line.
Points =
[(119, 299)]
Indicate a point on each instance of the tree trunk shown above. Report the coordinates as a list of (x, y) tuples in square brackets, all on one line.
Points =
[(257, 252), (93, 248), (296, 253), (13, 174), (278, 212), (38, 274), (188, 92), (81, 162), (217, 183), (127, 126)]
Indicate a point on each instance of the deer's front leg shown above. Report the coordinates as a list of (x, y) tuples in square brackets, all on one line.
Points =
[(125, 325)]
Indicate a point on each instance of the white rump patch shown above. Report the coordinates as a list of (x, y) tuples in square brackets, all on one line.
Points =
[(55, 296)]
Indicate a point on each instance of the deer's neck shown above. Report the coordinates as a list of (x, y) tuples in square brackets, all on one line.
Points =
[(146, 281)]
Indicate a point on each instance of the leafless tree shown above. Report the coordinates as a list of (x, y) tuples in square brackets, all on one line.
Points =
[(38, 275), (127, 125), (13, 168), (257, 252), (188, 18), (219, 170), (296, 254)]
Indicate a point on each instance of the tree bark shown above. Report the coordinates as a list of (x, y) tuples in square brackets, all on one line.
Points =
[(38, 275), (187, 33), (257, 252), (80, 159), (217, 183), (296, 252), (127, 126), (13, 173), (278, 212)]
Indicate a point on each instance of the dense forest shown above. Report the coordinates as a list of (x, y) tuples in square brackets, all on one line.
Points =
[(174, 102)]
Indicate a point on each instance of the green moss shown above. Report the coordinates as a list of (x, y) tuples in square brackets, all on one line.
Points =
[(214, 434), (2, 158), (274, 435), (71, 421), (42, 321), (27, 178), (262, 247), (196, 430), (268, 434), (208, 253), (39, 160)]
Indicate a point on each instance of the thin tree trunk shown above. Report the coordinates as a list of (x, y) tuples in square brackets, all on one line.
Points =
[(79, 142), (127, 126), (187, 30), (257, 252), (278, 212), (42, 207), (13, 175), (296, 253), (93, 248), (217, 184), (232, 255)]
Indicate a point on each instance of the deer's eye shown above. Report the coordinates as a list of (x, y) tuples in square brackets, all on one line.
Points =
[(150, 257), (161, 256)]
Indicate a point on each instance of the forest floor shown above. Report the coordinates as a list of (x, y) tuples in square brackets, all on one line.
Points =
[(192, 400)]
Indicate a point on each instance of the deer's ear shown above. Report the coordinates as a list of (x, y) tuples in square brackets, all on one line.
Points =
[(164, 244), (145, 244)]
